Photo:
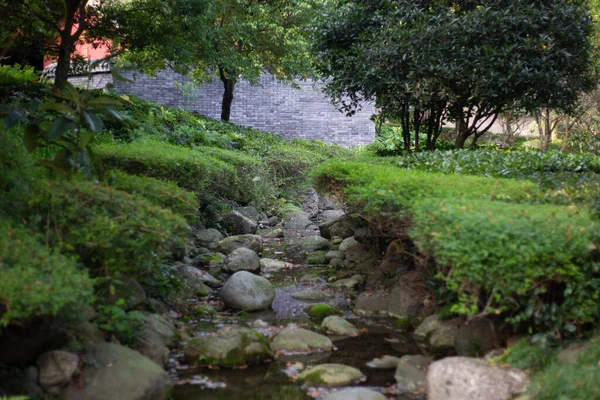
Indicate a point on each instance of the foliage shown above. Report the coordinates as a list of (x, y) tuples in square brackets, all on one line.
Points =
[(565, 178), (494, 246), (17, 79), (36, 280), (111, 231), (115, 320), (161, 193), (67, 126), (577, 380), (468, 60), (189, 169), (528, 356)]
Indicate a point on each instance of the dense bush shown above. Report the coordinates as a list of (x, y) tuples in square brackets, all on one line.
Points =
[(534, 263), (18, 79), (34, 279), (161, 193), (112, 232), (189, 169)]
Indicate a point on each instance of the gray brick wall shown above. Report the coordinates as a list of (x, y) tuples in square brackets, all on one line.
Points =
[(271, 106)]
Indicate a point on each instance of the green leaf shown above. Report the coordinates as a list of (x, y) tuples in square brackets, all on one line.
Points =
[(32, 134), (59, 127), (104, 100), (109, 112), (13, 117), (87, 137), (93, 121), (55, 165), (58, 107)]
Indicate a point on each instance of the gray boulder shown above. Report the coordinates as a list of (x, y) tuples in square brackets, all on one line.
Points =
[(246, 291), (299, 222), (163, 327), (151, 345), (192, 280), (242, 259), (238, 224), (337, 263), (315, 243), (229, 347), (437, 335), (461, 378), (355, 394), (372, 304), (385, 362), (330, 375), (229, 244), (294, 340), (333, 254), (270, 265), (56, 368), (404, 301), (354, 251), (114, 372), (274, 234), (338, 326), (207, 237), (411, 373), (476, 338), (349, 283)]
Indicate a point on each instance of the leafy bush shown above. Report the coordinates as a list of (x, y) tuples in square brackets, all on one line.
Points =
[(578, 380), (116, 321), (35, 280), (112, 232), (189, 169), (494, 247), (17, 78), (161, 193)]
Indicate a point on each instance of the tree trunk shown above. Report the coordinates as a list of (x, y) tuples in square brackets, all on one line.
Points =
[(228, 86), (462, 134), (565, 144), (63, 63), (542, 118)]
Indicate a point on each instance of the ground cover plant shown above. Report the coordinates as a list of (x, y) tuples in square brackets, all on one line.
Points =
[(495, 246)]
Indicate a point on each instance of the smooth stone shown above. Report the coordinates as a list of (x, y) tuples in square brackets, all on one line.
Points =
[(411, 373), (437, 335), (337, 263), (270, 265), (315, 243), (208, 236), (312, 294), (330, 375), (229, 347), (86, 333), (193, 276), (274, 234), (299, 340), (112, 372), (56, 368), (333, 254), (354, 252), (372, 304), (192, 280), (461, 378), (246, 291), (338, 326), (348, 283), (299, 221), (163, 327), (150, 344), (242, 259), (238, 224), (385, 362), (404, 301), (229, 244), (477, 337), (355, 394)]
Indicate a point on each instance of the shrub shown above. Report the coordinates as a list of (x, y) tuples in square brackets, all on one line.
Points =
[(112, 232), (189, 169), (494, 247), (18, 79), (161, 193), (34, 279)]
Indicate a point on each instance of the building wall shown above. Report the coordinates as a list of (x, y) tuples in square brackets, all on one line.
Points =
[(271, 106)]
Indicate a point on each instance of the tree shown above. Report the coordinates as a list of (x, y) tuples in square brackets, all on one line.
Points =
[(470, 59), (58, 25), (246, 38)]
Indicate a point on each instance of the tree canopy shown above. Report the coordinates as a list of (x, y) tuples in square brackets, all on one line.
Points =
[(465, 61)]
